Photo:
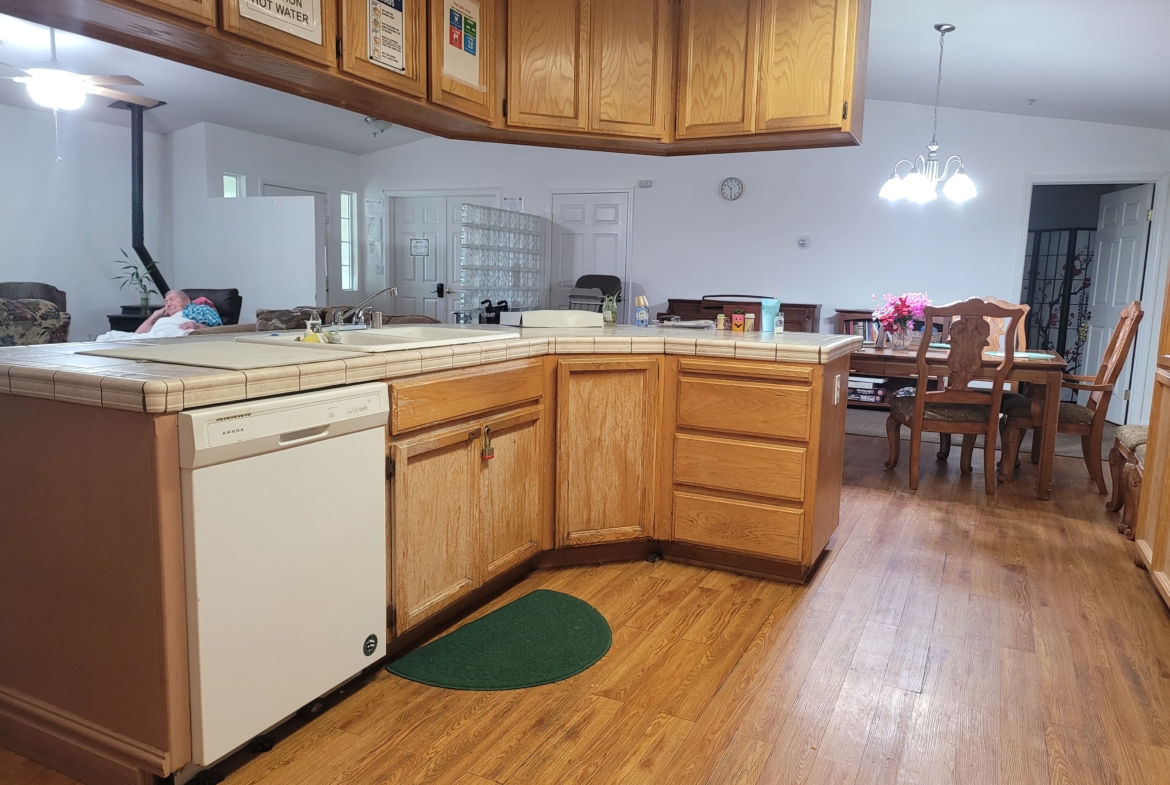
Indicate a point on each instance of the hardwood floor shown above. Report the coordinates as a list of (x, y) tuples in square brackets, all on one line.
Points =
[(947, 637)]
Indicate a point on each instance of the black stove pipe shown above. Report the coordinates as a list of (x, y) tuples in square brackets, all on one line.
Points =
[(137, 222)]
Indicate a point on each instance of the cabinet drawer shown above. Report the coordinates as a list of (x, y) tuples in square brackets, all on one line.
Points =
[(759, 529), (755, 408), (444, 397), (748, 467)]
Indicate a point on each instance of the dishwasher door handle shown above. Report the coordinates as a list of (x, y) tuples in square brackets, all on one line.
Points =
[(306, 435)]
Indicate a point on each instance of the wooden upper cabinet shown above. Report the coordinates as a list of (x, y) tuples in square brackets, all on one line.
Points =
[(718, 44), (195, 10), (805, 53), (630, 66), (306, 28), (463, 41), (548, 57), (384, 42)]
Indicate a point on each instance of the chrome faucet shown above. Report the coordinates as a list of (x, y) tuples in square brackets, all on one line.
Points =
[(357, 308)]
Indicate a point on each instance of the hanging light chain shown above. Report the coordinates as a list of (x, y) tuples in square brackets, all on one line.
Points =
[(938, 86)]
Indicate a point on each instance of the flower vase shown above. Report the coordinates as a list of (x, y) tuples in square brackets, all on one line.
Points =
[(900, 340), (144, 304)]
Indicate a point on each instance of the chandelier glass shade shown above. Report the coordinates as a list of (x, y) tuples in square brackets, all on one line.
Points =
[(920, 183)]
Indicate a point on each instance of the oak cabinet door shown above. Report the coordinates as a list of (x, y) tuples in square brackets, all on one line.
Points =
[(433, 513), (306, 28), (385, 43), (607, 412), (805, 53), (630, 66), (548, 63), (718, 45), (509, 491), (463, 41), (196, 10)]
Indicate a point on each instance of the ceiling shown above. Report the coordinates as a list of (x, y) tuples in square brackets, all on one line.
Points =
[(1075, 59), (192, 95), (1104, 61)]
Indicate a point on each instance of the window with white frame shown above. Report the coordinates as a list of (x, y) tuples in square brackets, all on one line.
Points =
[(233, 185), (349, 277)]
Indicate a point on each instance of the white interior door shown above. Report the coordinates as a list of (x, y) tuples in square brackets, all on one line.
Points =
[(589, 236), (420, 254), (321, 212), (1123, 232)]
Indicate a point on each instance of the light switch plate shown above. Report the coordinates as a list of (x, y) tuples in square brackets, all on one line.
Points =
[(837, 391)]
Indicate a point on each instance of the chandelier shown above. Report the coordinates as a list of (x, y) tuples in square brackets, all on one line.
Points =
[(920, 185)]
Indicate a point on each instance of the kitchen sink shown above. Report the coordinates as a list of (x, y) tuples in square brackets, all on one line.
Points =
[(387, 339)]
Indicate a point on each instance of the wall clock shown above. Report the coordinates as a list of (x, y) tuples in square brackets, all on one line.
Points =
[(731, 188)]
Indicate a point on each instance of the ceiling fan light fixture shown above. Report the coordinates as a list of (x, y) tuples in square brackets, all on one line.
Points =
[(55, 89)]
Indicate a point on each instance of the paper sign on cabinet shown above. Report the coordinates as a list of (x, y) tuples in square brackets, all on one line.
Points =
[(301, 18), (387, 38), (461, 53)]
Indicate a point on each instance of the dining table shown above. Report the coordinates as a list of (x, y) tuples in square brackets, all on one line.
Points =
[(1043, 370)]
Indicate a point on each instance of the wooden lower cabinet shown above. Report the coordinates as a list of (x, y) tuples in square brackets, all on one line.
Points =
[(510, 499), (458, 519), (434, 513), (607, 430), (757, 455)]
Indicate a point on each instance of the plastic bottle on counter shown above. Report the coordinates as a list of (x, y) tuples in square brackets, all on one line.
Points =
[(778, 323), (641, 311)]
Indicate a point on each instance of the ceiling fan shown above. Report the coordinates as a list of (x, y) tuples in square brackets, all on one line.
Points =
[(55, 88)]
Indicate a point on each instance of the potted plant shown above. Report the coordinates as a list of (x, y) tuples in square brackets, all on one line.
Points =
[(134, 275), (900, 315)]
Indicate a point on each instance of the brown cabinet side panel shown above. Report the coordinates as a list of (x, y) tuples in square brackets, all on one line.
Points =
[(91, 599), (830, 454)]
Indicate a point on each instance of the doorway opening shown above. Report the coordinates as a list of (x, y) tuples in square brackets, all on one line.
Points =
[(1085, 261)]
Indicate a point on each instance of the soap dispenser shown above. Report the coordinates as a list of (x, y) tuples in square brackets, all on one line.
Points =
[(313, 332)]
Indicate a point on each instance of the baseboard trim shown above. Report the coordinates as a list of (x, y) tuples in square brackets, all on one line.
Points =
[(73, 746)]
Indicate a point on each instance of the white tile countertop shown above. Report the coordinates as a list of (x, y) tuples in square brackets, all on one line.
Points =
[(58, 372)]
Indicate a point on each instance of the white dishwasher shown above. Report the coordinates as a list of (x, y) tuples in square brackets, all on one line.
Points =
[(284, 524)]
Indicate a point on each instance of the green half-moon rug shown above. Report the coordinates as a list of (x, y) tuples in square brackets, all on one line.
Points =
[(544, 636)]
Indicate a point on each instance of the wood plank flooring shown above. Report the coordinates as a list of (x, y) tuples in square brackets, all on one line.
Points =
[(947, 637)]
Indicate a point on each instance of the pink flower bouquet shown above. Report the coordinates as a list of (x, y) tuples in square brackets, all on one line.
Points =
[(900, 314)]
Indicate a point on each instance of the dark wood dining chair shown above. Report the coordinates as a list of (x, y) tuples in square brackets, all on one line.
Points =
[(957, 407), (1086, 421)]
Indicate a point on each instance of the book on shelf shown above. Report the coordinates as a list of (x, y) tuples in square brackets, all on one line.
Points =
[(865, 329)]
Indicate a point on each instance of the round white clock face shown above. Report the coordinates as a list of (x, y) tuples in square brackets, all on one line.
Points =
[(731, 188)]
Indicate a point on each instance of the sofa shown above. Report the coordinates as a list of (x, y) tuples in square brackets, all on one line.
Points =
[(28, 322), (297, 318)]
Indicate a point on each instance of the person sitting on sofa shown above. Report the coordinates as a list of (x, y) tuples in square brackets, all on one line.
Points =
[(176, 319)]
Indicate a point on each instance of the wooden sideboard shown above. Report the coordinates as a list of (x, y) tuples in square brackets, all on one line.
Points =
[(641, 76), (798, 317)]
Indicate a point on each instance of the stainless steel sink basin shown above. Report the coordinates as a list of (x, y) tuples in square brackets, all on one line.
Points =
[(387, 339)]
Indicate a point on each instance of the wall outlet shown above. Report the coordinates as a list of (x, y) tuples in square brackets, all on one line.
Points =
[(837, 390), (645, 183)]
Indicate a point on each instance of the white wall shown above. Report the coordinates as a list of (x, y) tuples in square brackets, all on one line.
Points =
[(687, 241), (265, 247), (63, 222)]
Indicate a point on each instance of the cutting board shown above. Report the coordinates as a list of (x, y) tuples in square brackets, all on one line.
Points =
[(228, 355)]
